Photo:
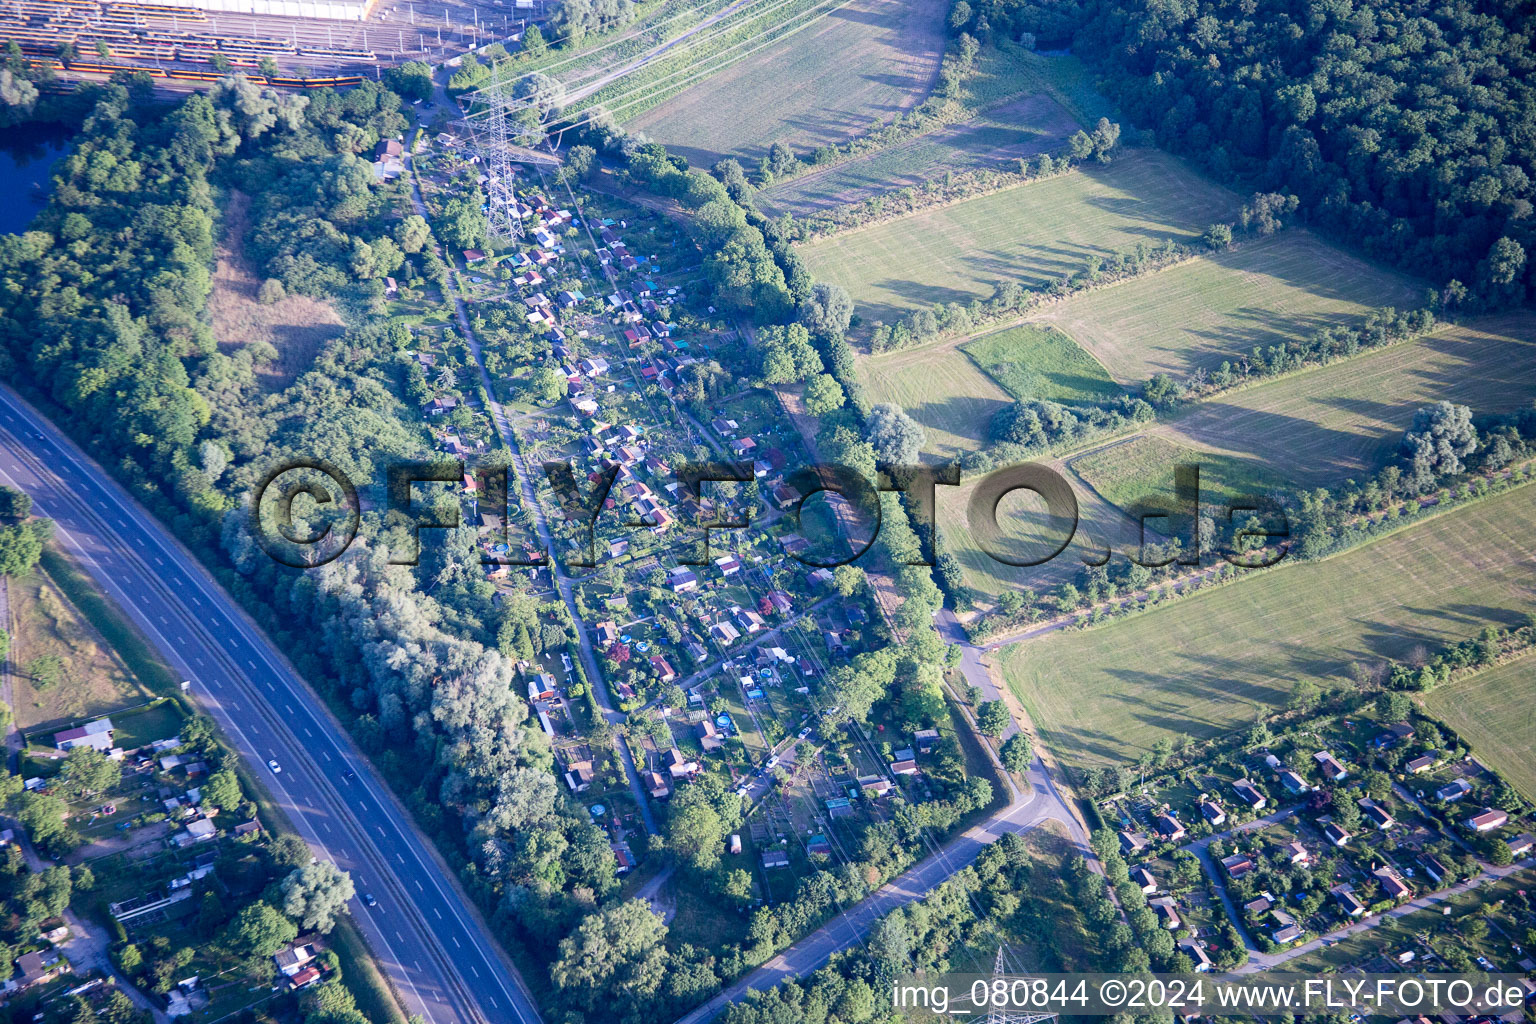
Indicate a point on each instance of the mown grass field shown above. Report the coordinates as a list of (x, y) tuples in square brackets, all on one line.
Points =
[(955, 390), (1016, 112), (1031, 233), (941, 389), (1320, 426), (865, 60), (1026, 533), (1209, 663), (1141, 469), (1495, 713), (1023, 128), (1219, 307), (1033, 362)]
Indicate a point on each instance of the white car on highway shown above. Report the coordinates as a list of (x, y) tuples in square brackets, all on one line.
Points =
[(277, 769)]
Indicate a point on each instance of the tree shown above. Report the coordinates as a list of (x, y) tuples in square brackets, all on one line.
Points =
[(533, 42), (271, 291), (580, 163), (314, 894), (615, 960), (21, 545), (43, 817), (1015, 753), (222, 790), (413, 233), (259, 930), (15, 506), (1393, 706), (847, 579), (823, 395), (828, 310), (895, 436), (992, 718), (695, 832), (268, 66), (1218, 236), (89, 771), (1442, 435), (1264, 212), (288, 851)]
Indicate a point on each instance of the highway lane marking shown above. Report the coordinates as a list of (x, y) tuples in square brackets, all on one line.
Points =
[(418, 884), (325, 755), (475, 972), (399, 858), (122, 524), (327, 826), (215, 620), (308, 733), (455, 939), (197, 602), (248, 661), (380, 831), (439, 913)]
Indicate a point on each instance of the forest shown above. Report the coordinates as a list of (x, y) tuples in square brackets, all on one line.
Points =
[(1403, 128)]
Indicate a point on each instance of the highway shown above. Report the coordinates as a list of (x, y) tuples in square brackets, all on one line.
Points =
[(428, 939)]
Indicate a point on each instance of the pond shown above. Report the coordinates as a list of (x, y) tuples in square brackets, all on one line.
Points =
[(27, 156)]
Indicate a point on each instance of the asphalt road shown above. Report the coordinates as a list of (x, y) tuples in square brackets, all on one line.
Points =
[(427, 937)]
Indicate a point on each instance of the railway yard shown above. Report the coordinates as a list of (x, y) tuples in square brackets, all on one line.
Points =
[(174, 42)]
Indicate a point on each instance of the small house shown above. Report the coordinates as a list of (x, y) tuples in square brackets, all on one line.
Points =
[(1392, 886), (1490, 819), (1237, 865), (1349, 903), (1453, 791), (1168, 911), (1249, 794), (1330, 766)]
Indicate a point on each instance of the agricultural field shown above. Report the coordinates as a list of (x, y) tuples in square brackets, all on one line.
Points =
[(954, 389), (1318, 427), (61, 669), (1032, 233), (1140, 469), (856, 62), (1032, 362), (1495, 713), (1218, 307), (1210, 662), (943, 390)]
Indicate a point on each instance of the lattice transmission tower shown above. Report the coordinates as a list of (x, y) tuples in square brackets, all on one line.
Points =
[(1003, 1014), (493, 131)]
